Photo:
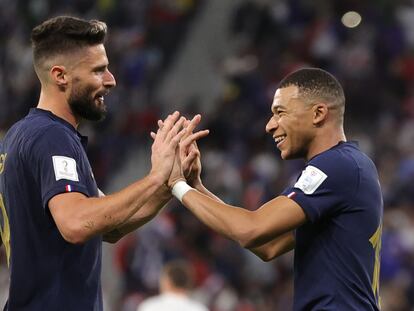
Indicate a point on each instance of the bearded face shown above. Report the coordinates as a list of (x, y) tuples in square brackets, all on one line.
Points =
[(86, 103), (91, 81)]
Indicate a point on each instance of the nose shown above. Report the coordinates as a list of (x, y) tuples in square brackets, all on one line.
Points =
[(271, 125), (109, 80)]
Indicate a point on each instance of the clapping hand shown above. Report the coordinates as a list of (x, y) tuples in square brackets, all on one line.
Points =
[(165, 145), (187, 164)]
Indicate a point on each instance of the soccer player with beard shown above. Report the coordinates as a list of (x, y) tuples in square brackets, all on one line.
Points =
[(52, 218)]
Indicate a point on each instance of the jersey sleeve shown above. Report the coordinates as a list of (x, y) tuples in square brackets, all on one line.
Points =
[(325, 186), (54, 159)]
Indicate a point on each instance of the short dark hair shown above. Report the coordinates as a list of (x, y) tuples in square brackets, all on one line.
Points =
[(179, 273), (317, 84), (65, 34)]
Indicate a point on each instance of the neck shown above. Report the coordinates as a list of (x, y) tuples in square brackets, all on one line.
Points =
[(57, 103), (325, 140), (176, 291), (168, 288)]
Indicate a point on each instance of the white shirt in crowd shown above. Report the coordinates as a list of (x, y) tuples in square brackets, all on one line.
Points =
[(171, 302)]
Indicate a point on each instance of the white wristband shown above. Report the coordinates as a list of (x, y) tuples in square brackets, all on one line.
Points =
[(179, 189)]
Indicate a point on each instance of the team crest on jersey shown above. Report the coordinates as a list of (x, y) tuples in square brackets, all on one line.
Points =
[(311, 178), (65, 168)]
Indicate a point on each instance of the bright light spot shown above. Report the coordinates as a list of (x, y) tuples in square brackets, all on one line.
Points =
[(351, 19)]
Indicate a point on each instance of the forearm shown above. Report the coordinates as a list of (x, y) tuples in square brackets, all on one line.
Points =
[(201, 188), (275, 247), (230, 221), (249, 228), (157, 201), (147, 212), (79, 218)]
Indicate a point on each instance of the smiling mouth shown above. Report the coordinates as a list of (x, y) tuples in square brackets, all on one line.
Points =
[(279, 140), (100, 99)]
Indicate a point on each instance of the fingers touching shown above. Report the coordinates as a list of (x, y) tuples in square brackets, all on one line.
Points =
[(167, 129), (172, 132)]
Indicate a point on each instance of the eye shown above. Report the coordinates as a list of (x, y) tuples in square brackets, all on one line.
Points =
[(100, 69)]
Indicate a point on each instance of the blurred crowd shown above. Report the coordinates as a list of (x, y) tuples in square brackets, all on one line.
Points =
[(374, 62)]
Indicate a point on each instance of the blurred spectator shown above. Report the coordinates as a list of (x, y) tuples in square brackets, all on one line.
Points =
[(175, 284)]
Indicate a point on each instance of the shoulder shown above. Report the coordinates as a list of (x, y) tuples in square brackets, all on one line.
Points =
[(339, 163), (151, 304), (52, 136), (197, 306), (34, 128), (171, 302), (28, 132), (336, 168), (56, 131), (340, 156), (33, 123)]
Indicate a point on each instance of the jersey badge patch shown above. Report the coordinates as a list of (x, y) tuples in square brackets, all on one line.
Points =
[(65, 168), (311, 178)]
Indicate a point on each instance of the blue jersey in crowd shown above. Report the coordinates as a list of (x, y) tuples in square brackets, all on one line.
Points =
[(42, 156), (337, 252)]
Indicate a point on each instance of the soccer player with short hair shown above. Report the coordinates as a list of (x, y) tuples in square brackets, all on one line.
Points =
[(331, 216), (53, 219)]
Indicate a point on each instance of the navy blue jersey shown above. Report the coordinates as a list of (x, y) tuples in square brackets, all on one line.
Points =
[(337, 252), (42, 156)]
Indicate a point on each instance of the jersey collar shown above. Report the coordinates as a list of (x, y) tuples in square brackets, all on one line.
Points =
[(352, 143)]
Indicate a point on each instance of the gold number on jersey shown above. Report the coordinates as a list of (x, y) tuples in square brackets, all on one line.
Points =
[(376, 244), (5, 230), (2, 161), (4, 227)]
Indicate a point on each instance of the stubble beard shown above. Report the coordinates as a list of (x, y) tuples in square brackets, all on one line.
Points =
[(83, 104)]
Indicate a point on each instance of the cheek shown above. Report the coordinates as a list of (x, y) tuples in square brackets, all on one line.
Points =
[(98, 80), (92, 85), (296, 131)]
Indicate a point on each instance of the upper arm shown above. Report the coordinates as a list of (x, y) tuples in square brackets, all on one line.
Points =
[(324, 187), (65, 209), (275, 218), (62, 173), (248, 228), (275, 247), (58, 165)]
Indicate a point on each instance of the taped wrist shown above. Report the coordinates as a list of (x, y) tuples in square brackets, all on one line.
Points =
[(179, 189)]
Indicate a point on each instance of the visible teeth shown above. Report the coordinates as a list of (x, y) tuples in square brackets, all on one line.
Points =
[(279, 138)]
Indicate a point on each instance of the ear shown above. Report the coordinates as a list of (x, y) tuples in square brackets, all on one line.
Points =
[(59, 76), (320, 113)]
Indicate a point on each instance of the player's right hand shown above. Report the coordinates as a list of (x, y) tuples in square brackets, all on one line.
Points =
[(187, 162), (165, 144)]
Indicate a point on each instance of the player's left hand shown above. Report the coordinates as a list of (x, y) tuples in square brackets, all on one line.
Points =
[(188, 165), (190, 155), (176, 172)]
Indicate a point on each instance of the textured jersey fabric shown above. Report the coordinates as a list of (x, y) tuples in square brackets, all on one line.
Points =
[(337, 249), (45, 156)]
